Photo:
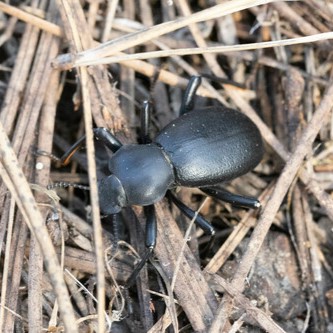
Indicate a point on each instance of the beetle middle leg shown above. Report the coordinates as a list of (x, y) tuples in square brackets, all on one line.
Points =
[(200, 221)]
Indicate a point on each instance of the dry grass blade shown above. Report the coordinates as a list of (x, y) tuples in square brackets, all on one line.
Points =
[(193, 293), (112, 47), (29, 18), (99, 248), (207, 50), (268, 59), (263, 319), (74, 27), (6, 263), (13, 177)]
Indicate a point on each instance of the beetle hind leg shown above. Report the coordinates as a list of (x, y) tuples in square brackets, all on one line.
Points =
[(234, 199)]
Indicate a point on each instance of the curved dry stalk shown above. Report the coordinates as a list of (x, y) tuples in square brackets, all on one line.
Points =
[(12, 176), (73, 16)]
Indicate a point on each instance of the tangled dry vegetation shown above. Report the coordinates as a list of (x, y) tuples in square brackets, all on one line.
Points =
[(69, 65)]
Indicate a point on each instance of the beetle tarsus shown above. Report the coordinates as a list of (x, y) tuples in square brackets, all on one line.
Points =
[(129, 283), (234, 199)]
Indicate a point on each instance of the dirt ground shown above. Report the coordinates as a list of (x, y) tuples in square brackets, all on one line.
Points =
[(68, 66)]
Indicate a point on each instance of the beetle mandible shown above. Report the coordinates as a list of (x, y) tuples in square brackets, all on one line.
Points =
[(201, 148)]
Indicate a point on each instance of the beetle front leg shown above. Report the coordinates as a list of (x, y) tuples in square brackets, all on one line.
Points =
[(145, 117), (151, 234), (107, 138), (189, 95), (101, 134)]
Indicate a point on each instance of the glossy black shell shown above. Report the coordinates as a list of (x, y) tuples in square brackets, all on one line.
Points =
[(210, 145)]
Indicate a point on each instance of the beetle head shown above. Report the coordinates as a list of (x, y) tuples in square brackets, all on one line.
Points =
[(112, 196)]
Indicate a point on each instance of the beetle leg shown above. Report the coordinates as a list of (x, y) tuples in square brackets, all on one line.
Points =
[(234, 199), (145, 116), (200, 221), (107, 138), (151, 233), (101, 134), (151, 226), (189, 95), (65, 159)]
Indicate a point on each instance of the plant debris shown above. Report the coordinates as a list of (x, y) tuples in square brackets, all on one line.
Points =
[(68, 66)]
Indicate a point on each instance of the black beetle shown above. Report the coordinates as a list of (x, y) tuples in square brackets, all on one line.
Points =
[(201, 148)]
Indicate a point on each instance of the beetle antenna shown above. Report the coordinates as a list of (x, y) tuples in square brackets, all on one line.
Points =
[(40, 152), (67, 184)]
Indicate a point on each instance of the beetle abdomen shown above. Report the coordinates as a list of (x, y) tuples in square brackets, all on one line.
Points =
[(211, 145)]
